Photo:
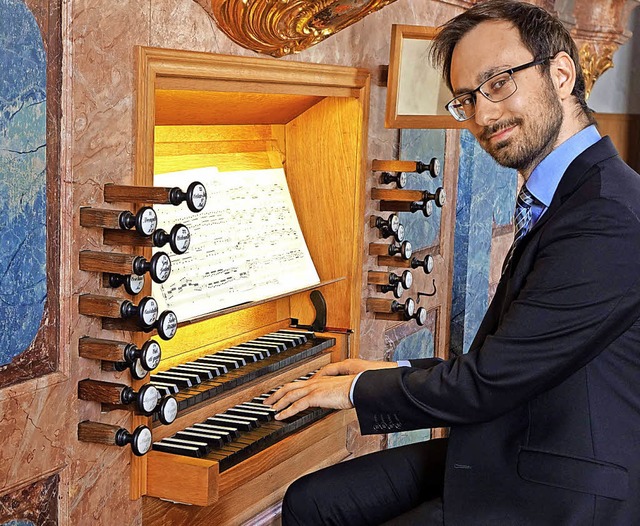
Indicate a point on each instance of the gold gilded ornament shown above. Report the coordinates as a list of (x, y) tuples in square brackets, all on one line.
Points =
[(595, 59), (282, 27)]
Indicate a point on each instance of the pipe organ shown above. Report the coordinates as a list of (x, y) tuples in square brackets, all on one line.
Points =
[(198, 457)]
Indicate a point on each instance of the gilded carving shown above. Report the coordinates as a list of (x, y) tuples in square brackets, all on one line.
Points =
[(282, 27), (595, 59)]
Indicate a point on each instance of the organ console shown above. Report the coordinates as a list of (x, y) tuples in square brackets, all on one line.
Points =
[(433, 167), (144, 220), (179, 238), (132, 283), (195, 196), (158, 267), (111, 435), (197, 110)]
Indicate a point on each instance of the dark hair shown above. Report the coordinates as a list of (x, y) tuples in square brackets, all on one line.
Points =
[(542, 33)]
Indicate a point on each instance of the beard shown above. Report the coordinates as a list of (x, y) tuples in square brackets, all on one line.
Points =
[(538, 134)]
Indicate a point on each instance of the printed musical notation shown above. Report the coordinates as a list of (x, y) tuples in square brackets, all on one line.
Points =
[(246, 245)]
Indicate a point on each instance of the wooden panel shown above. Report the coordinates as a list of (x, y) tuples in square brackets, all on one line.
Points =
[(324, 165), (191, 480), (207, 107), (324, 445), (624, 131), (196, 110)]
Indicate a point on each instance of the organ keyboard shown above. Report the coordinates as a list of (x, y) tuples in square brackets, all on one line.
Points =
[(195, 381), (237, 433)]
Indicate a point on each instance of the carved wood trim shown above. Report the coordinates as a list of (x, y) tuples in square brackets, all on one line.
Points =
[(282, 28)]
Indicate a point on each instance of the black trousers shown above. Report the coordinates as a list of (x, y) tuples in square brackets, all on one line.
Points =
[(395, 487)]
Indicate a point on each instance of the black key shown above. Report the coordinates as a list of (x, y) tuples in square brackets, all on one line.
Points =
[(203, 374), (168, 386), (205, 360), (241, 411), (238, 424), (263, 339), (180, 381), (246, 358), (271, 347), (231, 363), (254, 353), (204, 447), (211, 439), (230, 428), (216, 370), (178, 449), (226, 436)]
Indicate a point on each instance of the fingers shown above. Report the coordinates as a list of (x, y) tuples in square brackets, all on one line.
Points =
[(283, 391), (330, 392)]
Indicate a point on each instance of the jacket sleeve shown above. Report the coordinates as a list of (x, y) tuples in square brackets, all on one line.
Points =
[(580, 294)]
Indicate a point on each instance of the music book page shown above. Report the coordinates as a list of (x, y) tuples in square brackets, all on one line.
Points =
[(246, 244)]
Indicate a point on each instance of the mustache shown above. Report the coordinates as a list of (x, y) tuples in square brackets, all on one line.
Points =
[(488, 131)]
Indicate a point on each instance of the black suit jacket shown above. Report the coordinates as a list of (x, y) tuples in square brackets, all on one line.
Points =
[(544, 409)]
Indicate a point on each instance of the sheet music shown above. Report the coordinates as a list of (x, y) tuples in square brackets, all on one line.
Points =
[(246, 245)]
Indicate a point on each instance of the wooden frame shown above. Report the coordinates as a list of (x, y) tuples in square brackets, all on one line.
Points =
[(409, 66), (237, 113)]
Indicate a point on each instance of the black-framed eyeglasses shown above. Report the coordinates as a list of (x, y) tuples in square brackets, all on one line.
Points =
[(496, 89)]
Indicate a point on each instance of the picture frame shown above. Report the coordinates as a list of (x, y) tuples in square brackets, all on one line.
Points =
[(416, 92)]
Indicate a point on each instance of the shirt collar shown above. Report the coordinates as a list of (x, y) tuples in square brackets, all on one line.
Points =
[(545, 178)]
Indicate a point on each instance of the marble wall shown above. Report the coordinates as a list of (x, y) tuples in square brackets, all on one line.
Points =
[(23, 153)]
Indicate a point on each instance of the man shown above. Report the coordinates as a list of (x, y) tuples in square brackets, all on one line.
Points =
[(544, 409)]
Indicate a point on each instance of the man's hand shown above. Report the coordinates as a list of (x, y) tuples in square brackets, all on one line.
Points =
[(331, 392), (328, 388)]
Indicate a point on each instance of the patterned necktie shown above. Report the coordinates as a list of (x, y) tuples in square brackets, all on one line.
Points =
[(522, 220)]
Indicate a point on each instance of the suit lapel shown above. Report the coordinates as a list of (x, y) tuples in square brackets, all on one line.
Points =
[(571, 180)]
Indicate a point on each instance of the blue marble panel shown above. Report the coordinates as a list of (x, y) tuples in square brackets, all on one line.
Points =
[(18, 523), (22, 178), (486, 196), (422, 145)]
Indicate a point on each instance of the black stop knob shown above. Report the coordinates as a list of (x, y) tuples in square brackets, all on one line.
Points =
[(426, 207), (132, 283), (425, 264), (145, 220), (140, 439), (433, 167), (159, 267), (179, 238), (195, 196), (146, 311)]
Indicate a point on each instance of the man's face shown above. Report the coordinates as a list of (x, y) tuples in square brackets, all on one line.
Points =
[(520, 131)]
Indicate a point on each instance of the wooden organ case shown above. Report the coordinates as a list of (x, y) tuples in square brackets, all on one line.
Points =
[(197, 110)]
